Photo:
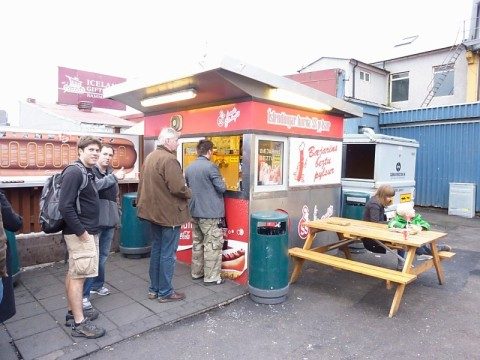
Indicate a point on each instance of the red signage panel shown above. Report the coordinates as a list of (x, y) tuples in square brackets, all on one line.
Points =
[(76, 85), (248, 116)]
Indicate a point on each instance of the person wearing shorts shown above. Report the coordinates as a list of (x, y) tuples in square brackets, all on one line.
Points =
[(80, 234)]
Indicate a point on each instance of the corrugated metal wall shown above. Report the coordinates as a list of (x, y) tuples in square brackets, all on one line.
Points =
[(449, 148)]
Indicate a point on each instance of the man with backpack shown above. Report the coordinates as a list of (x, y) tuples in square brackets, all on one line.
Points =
[(80, 233)]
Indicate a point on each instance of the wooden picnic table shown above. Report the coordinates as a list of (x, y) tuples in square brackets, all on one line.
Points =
[(350, 231)]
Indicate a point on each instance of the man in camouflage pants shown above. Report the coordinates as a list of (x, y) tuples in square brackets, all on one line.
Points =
[(207, 209)]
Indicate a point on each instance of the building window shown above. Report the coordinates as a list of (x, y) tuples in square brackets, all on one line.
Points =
[(399, 83), (364, 76), (443, 79)]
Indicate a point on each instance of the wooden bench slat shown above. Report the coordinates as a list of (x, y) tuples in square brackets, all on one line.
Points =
[(354, 266), (446, 254)]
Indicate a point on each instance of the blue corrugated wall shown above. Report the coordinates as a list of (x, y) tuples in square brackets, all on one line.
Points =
[(449, 148)]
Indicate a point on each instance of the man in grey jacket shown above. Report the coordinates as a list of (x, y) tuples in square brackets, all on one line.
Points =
[(207, 208)]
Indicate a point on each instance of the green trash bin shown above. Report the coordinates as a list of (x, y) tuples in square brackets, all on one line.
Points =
[(12, 244), (134, 239), (268, 257), (353, 207)]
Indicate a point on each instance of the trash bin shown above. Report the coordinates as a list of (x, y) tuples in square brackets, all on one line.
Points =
[(134, 239), (12, 244), (268, 257), (353, 207)]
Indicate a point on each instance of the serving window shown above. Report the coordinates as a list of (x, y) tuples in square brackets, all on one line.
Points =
[(270, 163)]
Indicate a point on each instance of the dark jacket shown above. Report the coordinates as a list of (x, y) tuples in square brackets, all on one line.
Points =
[(207, 185), (12, 222), (108, 196), (162, 191), (374, 212), (89, 202)]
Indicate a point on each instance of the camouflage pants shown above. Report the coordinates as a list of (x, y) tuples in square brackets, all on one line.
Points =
[(207, 249)]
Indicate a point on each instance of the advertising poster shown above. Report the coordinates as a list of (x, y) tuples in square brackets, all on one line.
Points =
[(314, 162), (30, 157), (270, 160)]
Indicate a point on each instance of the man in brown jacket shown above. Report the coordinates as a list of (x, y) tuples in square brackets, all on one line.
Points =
[(162, 201)]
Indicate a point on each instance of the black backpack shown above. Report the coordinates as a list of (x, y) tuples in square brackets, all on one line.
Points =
[(51, 220)]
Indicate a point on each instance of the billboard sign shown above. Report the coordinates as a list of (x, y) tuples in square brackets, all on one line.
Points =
[(76, 85)]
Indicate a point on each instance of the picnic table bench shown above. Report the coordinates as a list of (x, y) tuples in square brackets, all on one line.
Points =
[(349, 231)]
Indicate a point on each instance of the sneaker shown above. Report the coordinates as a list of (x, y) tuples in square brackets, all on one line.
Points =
[(444, 248), (175, 296), (87, 329), (90, 314), (197, 277), (87, 305), (424, 257), (103, 291), (152, 295), (210, 283)]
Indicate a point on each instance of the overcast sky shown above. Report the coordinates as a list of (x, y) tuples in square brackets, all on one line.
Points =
[(145, 38)]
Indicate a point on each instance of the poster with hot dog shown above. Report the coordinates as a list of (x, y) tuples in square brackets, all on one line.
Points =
[(30, 156)]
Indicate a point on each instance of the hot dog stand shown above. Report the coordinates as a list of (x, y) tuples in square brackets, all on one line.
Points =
[(278, 145)]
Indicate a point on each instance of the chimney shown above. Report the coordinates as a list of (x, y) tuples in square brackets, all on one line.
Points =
[(85, 106)]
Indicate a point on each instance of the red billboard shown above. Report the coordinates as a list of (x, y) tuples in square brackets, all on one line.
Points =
[(76, 85)]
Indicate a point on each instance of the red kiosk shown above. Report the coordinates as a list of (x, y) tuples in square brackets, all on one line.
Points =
[(278, 144)]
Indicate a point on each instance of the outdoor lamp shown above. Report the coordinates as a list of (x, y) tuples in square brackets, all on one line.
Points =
[(292, 98), (168, 98)]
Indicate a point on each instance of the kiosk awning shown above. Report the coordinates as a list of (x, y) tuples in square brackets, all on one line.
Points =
[(231, 81)]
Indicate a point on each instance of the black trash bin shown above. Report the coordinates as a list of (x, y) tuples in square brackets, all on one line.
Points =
[(268, 257), (134, 239), (353, 206)]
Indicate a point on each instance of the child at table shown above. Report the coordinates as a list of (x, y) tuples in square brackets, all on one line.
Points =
[(405, 215)]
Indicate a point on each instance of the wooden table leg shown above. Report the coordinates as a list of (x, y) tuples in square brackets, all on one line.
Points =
[(296, 270), (396, 300), (437, 262), (299, 262), (407, 267)]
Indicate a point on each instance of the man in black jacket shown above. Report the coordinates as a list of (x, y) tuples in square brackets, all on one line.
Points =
[(80, 233)]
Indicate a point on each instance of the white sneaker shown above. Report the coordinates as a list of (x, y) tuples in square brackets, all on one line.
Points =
[(102, 291), (87, 305), (424, 257)]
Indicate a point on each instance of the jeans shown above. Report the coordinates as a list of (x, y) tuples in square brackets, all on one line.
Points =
[(162, 258), (105, 237)]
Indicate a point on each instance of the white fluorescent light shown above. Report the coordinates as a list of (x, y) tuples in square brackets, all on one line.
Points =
[(168, 98), (292, 98)]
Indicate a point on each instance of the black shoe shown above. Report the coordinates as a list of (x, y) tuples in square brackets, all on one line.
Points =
[(210, 283), (90, 314), (88, 330)]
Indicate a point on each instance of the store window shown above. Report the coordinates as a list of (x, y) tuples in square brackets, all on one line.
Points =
[(270, 160), (399, 85), (365, 76), (444, 78)]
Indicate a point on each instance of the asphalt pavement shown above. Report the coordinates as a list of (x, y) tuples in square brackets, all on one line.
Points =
[(329, 313)]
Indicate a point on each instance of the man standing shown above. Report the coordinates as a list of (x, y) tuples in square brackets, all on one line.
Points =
[(162, 201), (80, 233), (109, 217), (207, 208)]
